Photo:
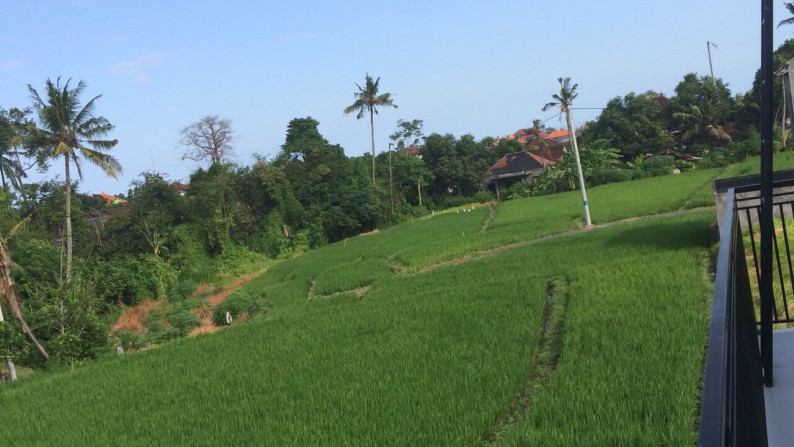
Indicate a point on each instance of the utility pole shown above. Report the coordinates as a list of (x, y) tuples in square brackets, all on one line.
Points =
[(391, 184), (572, 131), (419, 190), (711, 68)]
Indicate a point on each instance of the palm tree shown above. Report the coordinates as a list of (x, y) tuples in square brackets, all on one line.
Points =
[(702, 123), (537, 132), (790, 20), (563, 100), (67, 129), (11, 135), (367, 99), (8, 290)]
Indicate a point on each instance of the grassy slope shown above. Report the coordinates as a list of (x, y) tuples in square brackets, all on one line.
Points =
[(428, 359)]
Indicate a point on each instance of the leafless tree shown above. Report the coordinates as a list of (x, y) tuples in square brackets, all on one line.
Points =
[(209, 138)]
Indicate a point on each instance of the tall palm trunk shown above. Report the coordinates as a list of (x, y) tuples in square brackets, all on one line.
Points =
[(372, 133), (68, 199)]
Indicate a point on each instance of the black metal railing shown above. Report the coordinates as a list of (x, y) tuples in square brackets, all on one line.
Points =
[(748, 207), (732, 405)]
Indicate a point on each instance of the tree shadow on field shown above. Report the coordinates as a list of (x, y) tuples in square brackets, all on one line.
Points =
[(665, 235)]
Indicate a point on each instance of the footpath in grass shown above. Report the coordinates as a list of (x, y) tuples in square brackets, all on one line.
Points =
[(432, 359)]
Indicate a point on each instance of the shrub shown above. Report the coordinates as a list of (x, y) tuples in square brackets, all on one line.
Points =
[(604, 176), (452, 201), (183, 289), (656, 166), (483, 197), (718, 158), (684, 166), (518, 190), (236, 303), (183, 320)]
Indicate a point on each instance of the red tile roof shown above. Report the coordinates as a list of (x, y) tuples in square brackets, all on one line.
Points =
[(413, 150), (111, 200), (558, 134)]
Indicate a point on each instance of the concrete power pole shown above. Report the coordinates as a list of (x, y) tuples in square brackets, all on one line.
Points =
[(391, 184), (575, 147), (711, 68)]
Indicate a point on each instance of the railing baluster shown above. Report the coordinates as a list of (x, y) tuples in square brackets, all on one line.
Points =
[(752, 243), (775, 314), (788, 257)]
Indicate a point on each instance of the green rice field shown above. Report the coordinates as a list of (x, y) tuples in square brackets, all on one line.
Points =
[(381, 340)]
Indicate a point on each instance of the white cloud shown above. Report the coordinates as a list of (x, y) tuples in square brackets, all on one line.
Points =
[(10, 65), (137, 69)]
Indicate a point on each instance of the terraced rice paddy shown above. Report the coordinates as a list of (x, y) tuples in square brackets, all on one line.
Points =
[(430, 353)]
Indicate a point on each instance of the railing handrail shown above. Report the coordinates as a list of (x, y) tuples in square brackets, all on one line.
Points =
[(713, 405), (732, 404)]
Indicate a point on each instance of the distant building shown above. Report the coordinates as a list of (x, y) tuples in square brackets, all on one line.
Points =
[(560, 136), (108, 200), (181, 188), (413, 150), (524, 166), (109, 206)]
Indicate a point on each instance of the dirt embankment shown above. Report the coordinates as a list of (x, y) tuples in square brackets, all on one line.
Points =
[(134, 318)]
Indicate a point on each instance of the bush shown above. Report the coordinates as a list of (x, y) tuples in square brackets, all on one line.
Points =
[(656, 166), (604, 176), (518, 190), (237, 303), (483, 197), (183, 289), (183, 320), (451, 201), (684, 166)]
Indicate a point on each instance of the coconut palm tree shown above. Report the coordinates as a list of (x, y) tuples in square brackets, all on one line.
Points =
[(702, 124), (790, 20), (67, 130), (563, 100), (8, 289), (11, 135), (537, 133), (368, 100)]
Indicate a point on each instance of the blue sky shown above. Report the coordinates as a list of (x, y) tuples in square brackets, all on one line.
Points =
[(484, 68)]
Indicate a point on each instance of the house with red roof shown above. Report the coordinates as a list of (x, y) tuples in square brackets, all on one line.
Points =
[(560, 136), (108, 200), (524, 166)]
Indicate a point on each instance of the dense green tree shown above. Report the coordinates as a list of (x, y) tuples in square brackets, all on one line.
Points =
[(507, 146), (699, 98), (410, 175), (408, 133), (457, 164), (368, 100), (635, 124), (67, 129)]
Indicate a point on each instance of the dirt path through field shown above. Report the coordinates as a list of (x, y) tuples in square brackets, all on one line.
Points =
[(497, 250), (133, 318)]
